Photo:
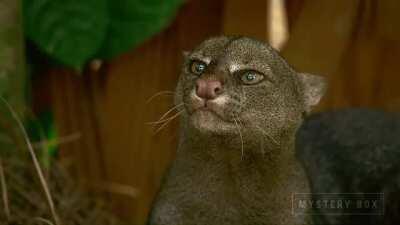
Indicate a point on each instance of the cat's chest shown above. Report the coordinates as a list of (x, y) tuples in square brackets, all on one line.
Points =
[(224, 192), (223, 201)]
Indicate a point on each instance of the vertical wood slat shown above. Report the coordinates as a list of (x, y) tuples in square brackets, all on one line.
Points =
[(320, 37), (74, 112), (353, 44), (246, 18)]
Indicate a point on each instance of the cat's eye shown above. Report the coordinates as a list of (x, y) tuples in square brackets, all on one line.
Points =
[(251, 77), (197, 67)]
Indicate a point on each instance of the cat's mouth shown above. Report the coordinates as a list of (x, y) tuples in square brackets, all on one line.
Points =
[(209, 110), (204, 113), (210, 119), (207, 120), (209, 115)]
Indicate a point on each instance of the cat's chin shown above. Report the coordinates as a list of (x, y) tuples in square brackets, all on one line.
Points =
[(209, 122)]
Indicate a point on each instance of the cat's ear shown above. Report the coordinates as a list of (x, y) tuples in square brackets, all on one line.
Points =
[(185, 54), (314, 87)]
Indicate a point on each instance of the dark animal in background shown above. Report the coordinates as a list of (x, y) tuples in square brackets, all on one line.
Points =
[(353, 151)]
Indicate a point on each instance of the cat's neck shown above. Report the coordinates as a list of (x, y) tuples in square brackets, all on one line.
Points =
[(240, 157)]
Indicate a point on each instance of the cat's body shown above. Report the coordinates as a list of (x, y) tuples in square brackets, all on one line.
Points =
[(221, 187), (353, 151), (235, 163)]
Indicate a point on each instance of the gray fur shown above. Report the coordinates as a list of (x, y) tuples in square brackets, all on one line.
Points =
[(213, 180), (353, 151)]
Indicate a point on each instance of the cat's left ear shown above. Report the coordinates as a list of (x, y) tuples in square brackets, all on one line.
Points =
[(185, 54), (314, 87)]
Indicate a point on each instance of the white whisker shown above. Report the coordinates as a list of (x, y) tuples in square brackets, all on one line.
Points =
[(168, 121), (267, 135), (240, 121), (158, 94), (161, 120)]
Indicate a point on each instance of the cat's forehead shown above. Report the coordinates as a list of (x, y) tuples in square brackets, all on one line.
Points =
[(233, 49), (211, 48)]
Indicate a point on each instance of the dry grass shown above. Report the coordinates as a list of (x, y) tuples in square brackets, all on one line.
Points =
[(33, 196), (27, 204)]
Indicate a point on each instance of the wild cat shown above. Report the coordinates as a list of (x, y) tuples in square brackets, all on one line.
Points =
[(240, 106)]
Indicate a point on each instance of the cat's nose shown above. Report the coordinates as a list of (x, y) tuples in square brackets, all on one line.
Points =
[(208, 89)]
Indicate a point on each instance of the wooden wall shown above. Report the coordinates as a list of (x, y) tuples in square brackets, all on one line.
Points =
[(354, 43)]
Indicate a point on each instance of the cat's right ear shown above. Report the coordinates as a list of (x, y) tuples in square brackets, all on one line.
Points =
[(185, 54), (314, 87)]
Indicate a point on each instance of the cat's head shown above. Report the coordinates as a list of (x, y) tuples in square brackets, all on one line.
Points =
[(231, 83)]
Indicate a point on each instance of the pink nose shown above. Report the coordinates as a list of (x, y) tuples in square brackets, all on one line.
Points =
[(208, 89)]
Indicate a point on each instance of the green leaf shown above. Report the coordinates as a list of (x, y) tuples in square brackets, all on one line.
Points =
[(70, 31), (134, 21)]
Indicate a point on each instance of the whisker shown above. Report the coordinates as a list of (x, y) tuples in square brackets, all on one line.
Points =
[(241, 137), (267, 135), (161, 120), (168, 121), (175, 107), (158, 94), (240, 121)]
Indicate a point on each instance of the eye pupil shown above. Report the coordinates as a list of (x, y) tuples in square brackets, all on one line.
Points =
[(200, 67), (250, 76)]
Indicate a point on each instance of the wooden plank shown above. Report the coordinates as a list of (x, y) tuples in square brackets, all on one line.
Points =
[(355, 45), (249, 19), (320, 35), (387, 17), (74, 112), (319, 39), (293, 8)]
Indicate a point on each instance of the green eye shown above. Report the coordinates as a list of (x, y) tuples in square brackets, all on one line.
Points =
[(251, 77), (198, 67)]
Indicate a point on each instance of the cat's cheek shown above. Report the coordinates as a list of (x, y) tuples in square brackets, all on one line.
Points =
[(208, 122), (193, 101)]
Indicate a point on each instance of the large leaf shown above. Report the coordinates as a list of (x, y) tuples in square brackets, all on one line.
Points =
[(133, 21), (70, 31)]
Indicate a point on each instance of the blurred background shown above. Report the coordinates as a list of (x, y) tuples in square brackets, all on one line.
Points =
[(86, 76)]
